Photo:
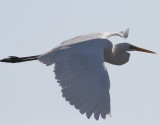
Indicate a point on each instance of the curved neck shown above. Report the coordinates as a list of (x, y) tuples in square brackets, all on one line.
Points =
[(116, 56)]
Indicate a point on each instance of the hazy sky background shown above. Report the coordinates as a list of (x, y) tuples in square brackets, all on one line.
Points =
[(29, 93)]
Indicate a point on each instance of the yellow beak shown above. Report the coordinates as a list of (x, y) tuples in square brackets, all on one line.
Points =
[(141, 49)]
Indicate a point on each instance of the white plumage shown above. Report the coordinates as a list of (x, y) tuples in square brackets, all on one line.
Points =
[(81, 72)]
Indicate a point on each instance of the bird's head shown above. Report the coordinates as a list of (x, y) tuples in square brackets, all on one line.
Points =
[(123, 47)]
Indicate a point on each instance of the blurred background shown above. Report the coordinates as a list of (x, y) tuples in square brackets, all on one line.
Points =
[(29, 93)]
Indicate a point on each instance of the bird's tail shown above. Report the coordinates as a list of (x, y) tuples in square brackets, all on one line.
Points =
[(14, 59)]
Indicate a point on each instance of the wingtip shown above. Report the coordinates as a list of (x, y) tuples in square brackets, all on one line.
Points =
[(126, 33)]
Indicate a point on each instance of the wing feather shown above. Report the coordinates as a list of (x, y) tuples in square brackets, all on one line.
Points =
[(81, 73)]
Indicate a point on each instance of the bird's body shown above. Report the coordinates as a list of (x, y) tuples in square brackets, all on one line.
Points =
[(86, 41), (80, 70)]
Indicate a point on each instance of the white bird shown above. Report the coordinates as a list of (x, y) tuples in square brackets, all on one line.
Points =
[(79, 66)]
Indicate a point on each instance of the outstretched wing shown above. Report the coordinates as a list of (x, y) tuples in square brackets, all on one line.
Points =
[(81, 73), (103, 35)]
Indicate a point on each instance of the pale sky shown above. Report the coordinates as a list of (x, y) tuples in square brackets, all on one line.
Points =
[(29, 93)]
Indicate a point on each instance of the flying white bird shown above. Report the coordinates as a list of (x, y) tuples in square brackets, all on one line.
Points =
[(79, 66)]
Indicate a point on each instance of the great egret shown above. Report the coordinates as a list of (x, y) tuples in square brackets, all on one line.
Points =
[(80, 70)]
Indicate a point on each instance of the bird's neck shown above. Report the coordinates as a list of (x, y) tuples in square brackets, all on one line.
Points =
[(116, 57)]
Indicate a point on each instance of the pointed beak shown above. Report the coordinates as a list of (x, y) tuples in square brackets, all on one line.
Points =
[(141, 49)]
